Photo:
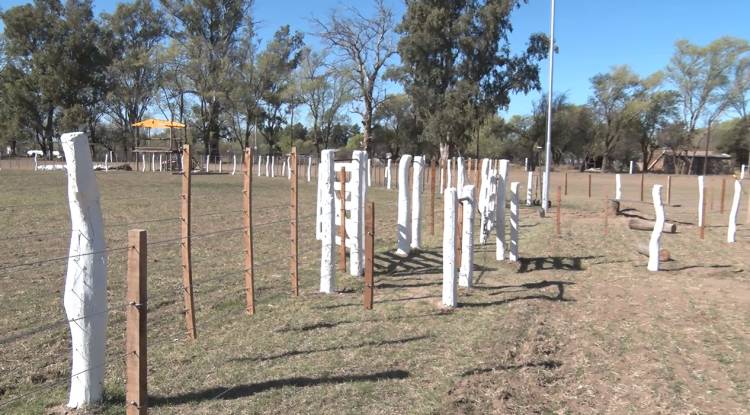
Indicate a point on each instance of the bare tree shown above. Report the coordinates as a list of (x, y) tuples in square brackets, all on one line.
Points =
[(366, 44)]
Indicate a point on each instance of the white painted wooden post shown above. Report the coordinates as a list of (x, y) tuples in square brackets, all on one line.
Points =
[(467, 239), (460, 174), (153, 163), (221, 163), (631, 167), (700, 200), (327, 217), (526, 164), (234, 165), (416, 203), (388, 174), (268, 166), (106, 161), (85, 297), (404, 214), (161, 164), (450, 291), (500, 211), (36, 166), (357, 189), (143, 160), (514, 222), (483, 199), (309, 167), (283, 168), (732, 229), (618, 187), (653, 245), (260, 164), (273, 166), (442, 185), (529, 188), (742, 172), (369, 172)]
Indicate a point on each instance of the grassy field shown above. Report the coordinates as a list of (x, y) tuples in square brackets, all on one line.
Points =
[(577, 326)]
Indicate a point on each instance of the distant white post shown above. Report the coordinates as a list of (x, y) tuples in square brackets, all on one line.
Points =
[(36, 166), (732, 229), (326, 222), (416, 202), (220, 161), (388, 174), (500, 211), (273, 166), (700, 200), (106, 161), (529, 188), (460, 174), (143, 160), (631, 167), (289, 167), (526, 163), (742, 171), (85, 297), (467, 239), (514, 222), (450, 291), (442, 175), (653, 245), (234, 165), (369, 172), (483, 202), (404, 217), (449, 174), (153, 163), (618, 187), (161, 159), (309, 168)]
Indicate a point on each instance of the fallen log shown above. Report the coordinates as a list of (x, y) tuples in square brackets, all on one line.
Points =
[(663, 253), (647, 225)]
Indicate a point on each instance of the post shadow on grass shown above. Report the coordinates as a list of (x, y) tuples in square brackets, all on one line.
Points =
[(560, 297), (249, 389), (686, 267), (291, 353), (571, 263), (419, 262), (330, 325)]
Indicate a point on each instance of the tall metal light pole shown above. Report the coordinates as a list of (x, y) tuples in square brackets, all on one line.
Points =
[(548, 146)]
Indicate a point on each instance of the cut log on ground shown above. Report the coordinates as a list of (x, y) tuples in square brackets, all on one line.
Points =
[(647, 225), (663, 253), (613, 207)]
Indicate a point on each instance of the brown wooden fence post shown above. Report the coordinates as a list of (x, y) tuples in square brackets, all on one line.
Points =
[(369, 255), (558, 211), (606, 215), (247, 223), (136, 396), (589, 185), (185, 245), (342, 224), (293, 264), (566, 183), (723, 192), (642, 178), (432, 197), (669, 190), (702, 230)]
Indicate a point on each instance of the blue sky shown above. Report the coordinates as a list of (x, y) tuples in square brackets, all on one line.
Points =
[(592, 35)]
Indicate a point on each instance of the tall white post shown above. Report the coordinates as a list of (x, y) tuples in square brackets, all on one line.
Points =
[(85, 296), (467, 238), (309, 168), (618, 187), (460, 174), (732, 229), (404, 214), (700, 200), (388, 174), (442, 175), (450, 291), (260, 164), (416, 203), (529, 188), (449, 174), (234, 165), (36, 166), (514, 222), (273, 166), (327, 218), (289, 167), (220, 161), (161, 164), (268, 166), (500, 210), (143, 163), (106, 161), (526, 163), (631, 166), (653, 245), (153, 163), (358, 188), (483, 201)]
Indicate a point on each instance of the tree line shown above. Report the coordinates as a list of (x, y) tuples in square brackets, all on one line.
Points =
[(202, 63)]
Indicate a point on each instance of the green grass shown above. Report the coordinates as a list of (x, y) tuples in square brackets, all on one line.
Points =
[(578, 326)]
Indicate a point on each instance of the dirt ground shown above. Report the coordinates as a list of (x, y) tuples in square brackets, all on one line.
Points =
[(578, 325)]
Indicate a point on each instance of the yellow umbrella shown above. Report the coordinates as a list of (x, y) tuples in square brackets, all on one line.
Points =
[(154, 123)]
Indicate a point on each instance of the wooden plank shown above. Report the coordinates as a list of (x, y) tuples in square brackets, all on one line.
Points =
[(136, 396), (247, 224), (185, 245), (293, 261), (369, 255), (342, 222)]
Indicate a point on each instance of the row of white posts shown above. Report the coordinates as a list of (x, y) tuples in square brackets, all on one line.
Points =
[(328, 214)]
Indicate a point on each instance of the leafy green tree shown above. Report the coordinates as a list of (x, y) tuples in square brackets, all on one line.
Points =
[(135, 72), (457, 65), (396, 129)]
